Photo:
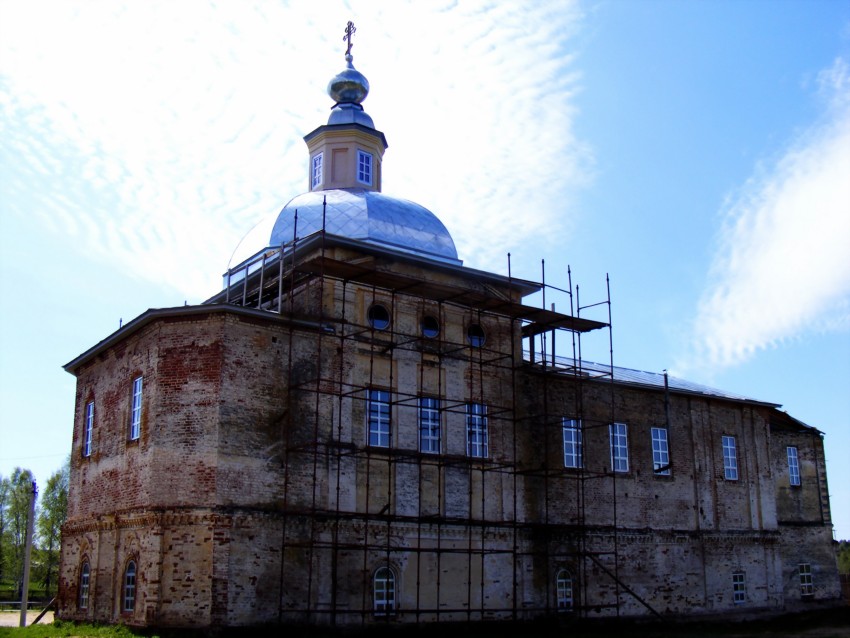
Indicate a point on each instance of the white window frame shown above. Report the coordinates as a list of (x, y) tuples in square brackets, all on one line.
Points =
[(85, 583), (136, 410), (739, 588), (793, 466), (378, 417), (807, 586), (564, 590), (730, 458), (88, 429), (316, 171), (573, 453), (364, 167), (429, 425), (619, 436), (660, 452), (128, 588), (383, 591), (476, 431)]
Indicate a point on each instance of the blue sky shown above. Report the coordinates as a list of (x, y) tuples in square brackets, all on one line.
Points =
[(695, 153)]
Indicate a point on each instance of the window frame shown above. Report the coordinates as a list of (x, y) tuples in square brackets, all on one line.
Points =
[(739, 587), (317, 170), (88, 429), (384, 591), (365, 163), (379, 417), (660, 451), (85, 585), (807, 583), (430, 425), (730, 457), (476, 337), (136, 409), (129, 587), (573, 444), (564, 594), (477, 434), (618, 436), (793, 456), (378, 322), (430, 327)]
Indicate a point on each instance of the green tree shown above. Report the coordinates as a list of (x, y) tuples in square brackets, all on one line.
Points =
[(844, 557), (5, 488), (51, 516), (15, 533)]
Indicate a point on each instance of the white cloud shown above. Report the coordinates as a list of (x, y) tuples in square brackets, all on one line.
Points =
[(157, 134), (782, 268)]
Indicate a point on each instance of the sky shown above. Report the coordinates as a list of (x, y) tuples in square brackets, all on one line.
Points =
[(689, 160)]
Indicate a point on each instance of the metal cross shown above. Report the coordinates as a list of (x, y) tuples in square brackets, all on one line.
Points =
[(349, 31)]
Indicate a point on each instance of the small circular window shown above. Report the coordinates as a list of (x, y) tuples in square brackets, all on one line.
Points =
[(430, 326), (475, 335), (379, 317)]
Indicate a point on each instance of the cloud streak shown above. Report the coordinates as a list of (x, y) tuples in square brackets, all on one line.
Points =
[(782, 268), (154, 135)]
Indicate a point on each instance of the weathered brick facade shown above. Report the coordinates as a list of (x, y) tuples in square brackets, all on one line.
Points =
[(252, 495)]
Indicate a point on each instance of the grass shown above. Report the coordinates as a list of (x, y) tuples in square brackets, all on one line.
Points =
[(833, 623)]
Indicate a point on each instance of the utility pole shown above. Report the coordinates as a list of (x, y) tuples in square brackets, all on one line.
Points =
[(25, 590)]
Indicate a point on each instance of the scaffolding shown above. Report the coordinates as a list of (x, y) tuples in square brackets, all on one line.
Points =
[(453, 520)]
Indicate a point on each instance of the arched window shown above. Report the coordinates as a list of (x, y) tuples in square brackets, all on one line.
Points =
[(564, 587), (85, 574), (430, 326), (383, 591), (128, 593)]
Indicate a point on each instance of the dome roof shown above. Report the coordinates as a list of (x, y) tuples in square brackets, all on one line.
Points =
[(368, 216)]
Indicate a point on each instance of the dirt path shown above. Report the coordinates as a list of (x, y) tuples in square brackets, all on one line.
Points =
[(13, 618)]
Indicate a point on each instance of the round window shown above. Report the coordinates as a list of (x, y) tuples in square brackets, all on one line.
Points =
[(430, 326), (475, 335), (379, 317)]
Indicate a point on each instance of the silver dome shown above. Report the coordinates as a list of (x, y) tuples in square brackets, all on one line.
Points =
[(367, 216)]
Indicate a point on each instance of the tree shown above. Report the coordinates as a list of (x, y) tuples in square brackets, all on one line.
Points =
[(5, 488), (15, 532), (844, 557), (51, 517)]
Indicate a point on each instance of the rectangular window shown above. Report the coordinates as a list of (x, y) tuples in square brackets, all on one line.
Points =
[(572, 442), (619, 447), (379, 418), (364, 167), (316, 173), (476, 430), (660, 452), (89, 428), (730, 459), (807, 587), (136, 410), (739, 588), (793, 466), (429, 425)]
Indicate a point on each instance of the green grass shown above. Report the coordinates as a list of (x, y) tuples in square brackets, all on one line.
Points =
[(61, 629)]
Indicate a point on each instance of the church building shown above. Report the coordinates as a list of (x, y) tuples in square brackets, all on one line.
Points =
[(358, 429)]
